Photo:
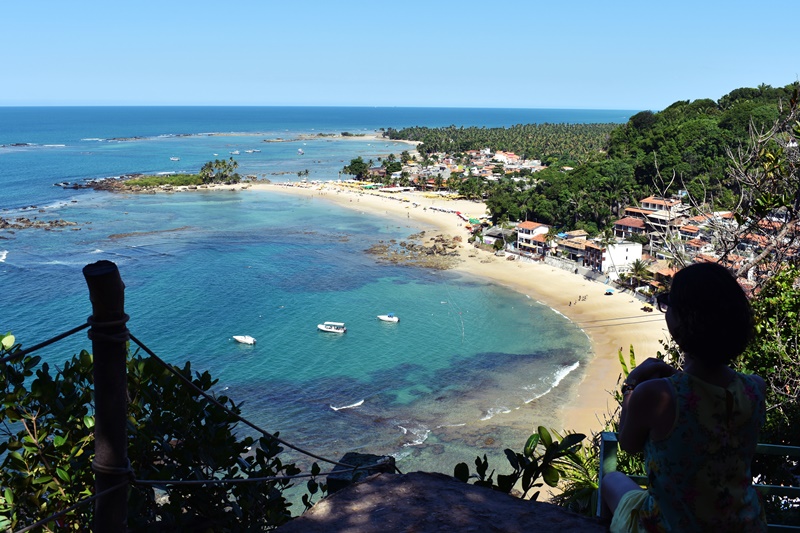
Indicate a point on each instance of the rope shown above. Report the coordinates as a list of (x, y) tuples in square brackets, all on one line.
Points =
[(71, 508), (21, 353), (222, 481), (229, 411), (97, 333)]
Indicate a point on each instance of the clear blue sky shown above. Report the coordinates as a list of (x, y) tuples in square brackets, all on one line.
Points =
[(527, 53)]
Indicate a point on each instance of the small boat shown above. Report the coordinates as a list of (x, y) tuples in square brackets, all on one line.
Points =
[(244, 339), (174, 158), (235, 152), (332, 327), (391, 317), (300, 151)]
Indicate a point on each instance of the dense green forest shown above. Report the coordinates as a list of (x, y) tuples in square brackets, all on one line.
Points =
[(684, 147), (550, 143)]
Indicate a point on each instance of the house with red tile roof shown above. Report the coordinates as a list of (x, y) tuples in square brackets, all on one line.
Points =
[(531, 237), (624, 228), (612, 260), (657, 203), (688, 231), (696, 246), (636, 212)]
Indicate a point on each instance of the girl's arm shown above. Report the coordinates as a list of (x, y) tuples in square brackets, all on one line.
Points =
[(648, 410)]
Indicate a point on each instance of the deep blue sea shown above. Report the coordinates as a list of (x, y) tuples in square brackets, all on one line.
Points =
[(443, 385)]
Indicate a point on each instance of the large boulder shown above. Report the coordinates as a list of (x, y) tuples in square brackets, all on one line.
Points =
[(431, 503)]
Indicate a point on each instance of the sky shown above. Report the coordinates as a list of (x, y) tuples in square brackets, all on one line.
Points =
[(562, 54)]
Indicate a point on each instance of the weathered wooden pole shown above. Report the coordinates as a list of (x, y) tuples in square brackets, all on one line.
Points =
[(109, 336)]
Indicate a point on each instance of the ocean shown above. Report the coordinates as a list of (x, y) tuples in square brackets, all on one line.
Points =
[(442, 386)]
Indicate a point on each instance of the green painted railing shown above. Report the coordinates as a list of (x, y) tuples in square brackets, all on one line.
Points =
[(608, 463)]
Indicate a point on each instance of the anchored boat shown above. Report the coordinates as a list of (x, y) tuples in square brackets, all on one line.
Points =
[(332, 327)]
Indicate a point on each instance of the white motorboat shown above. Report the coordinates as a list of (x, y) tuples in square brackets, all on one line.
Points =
[(332, 327), (244, 339), (174, 158), (391, 317)]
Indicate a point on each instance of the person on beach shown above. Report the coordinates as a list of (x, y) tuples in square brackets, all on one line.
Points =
[(698, 427)]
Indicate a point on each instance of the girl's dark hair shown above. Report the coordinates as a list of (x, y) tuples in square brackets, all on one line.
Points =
[(713, 318)]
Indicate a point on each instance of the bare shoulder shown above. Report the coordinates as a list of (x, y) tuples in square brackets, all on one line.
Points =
[(654, 389)]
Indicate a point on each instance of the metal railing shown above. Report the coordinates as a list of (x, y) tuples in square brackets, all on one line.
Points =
[(608, 463)]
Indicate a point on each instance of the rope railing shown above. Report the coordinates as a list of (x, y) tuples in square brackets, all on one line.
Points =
[(21, 353), (178, 482), (109, 335), (80, 503), (230, 481), (229, 411)]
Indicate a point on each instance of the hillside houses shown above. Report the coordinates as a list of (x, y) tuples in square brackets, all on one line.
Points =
[(536, 240)]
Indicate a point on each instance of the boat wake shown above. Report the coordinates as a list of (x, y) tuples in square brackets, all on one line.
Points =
[(357, 404)]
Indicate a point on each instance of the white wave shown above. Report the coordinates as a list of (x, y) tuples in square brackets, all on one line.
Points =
[(452, 425), (3, 255), (357, 404), (98, 139), (400, 455), (560, 374), (495, 411), (55, 145), (420, 435), (97, 251)]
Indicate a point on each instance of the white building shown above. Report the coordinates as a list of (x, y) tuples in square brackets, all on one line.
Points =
[(614, 260)]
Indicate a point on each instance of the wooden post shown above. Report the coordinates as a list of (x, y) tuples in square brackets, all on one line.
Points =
[(109, 336)]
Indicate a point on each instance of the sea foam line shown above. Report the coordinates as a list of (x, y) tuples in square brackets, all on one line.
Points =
[(357, 404), (3, 255), (421, 435), (559, 376), (495, 411)]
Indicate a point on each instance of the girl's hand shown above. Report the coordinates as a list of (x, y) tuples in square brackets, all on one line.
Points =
[(650, 368)]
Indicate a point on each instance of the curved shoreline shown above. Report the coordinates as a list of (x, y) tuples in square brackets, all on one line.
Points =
[(610, 322)]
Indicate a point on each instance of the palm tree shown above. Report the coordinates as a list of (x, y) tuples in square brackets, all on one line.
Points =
[(607, 239), (552, 233), (639, 272)]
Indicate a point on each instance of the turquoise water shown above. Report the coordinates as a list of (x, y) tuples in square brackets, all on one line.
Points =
[(435, 389)]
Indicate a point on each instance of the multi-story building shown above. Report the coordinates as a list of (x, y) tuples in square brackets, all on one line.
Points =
[(531, 238)]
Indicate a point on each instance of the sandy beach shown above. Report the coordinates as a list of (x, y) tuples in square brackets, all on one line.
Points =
[(610, 322)]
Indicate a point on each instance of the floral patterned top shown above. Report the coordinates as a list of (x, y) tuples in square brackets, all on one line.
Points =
[(699, 474)]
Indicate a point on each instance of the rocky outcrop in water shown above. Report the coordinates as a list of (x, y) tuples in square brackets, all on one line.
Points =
[(25, 223), (439, 252)]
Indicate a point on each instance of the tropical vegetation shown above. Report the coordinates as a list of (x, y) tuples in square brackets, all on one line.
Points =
[(174, 433), (212, 172)]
